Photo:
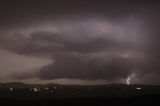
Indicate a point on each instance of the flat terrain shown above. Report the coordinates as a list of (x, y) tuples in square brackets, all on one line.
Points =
[(53, 94)]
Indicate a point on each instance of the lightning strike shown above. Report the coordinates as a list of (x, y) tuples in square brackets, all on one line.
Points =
[(130, 77)]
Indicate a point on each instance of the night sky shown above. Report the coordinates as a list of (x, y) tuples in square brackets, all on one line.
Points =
[(80, 42)]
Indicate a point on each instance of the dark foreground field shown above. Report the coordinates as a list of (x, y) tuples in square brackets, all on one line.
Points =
[(95, 101), (17, 94)]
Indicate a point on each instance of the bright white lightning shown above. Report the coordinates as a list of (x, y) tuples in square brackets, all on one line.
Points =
[(128, 80), (130, 77)]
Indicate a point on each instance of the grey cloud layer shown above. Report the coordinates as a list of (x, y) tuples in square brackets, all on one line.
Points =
[(110, 43), (85, 54)]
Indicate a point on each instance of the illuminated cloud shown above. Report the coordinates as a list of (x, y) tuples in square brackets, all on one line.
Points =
[(101, 41)]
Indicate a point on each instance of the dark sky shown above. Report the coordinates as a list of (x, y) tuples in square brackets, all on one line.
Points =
[(80, 42)]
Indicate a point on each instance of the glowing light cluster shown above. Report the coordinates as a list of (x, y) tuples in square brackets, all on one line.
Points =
[(35, 89)]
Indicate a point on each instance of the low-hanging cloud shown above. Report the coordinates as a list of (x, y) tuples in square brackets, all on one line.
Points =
[(80, 53), (100, 43)]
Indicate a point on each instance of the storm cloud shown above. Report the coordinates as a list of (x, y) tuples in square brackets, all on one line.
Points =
[(96, 40)]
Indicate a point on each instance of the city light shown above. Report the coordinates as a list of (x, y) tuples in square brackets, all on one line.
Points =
[(11, 89), (46, 88), (55, 87), (138, 88)]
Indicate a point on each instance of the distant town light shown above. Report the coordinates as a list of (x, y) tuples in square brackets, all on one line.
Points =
[(55, 87), (51, 91), (138, 88), (35, 89), (46, 88), (11, 89)]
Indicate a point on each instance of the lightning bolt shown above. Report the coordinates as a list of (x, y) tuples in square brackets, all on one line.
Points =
[(130, 77), (128, 80)]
